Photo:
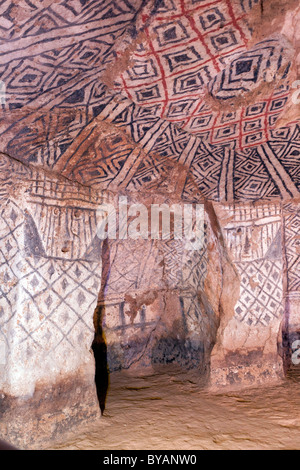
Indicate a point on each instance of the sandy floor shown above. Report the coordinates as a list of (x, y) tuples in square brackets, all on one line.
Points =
[(169, 411)]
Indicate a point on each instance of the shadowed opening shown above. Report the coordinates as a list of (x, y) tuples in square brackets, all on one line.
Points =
[(99, 346)]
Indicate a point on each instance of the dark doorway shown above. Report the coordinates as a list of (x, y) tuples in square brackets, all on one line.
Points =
[(100, 354), (99, 346)]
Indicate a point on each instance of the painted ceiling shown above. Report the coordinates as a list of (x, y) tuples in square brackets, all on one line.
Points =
[(135, 94)]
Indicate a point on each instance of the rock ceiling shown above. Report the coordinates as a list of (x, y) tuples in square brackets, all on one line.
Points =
[(136, 94)]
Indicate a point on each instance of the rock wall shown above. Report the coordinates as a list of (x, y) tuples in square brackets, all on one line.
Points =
[(291, 331), (50, 279), (161, 102), (248, 339), (157, 310)]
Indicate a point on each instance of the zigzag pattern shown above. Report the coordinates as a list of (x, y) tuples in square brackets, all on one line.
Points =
[(56, 101), (263, 63), (58, 71), (292, 247), (264, 303)]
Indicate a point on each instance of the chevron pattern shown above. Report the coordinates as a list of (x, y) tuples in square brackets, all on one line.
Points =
[(292, 244), (49, 290), (76, 106), (261, 64), (260, 305), (61, 88), (253, 238)]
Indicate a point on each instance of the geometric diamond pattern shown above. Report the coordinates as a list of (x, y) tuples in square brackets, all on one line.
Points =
[(187, 57), (159, 99), (70, 110), (47, 296), (253, 239), (61, 312), (134, 275), (260, 301), (292, 246), (259, 64)]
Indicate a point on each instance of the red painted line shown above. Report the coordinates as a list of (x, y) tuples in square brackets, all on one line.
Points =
[(213, 126), (145, 18), (199, 34), (191, 10), (173, 46), (235, 21), (126, 87), (195, 112), (162, 73), (174, 74)]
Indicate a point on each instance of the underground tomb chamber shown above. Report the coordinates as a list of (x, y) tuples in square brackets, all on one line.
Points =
[(72, 317), (221, 309), (153, 102)]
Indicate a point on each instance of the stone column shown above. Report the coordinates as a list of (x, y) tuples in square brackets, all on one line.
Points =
[(51, 272), (291, 330), (246, 351)]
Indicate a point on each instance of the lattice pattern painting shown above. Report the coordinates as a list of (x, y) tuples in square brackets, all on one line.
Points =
[(254, 241), (186, 57)]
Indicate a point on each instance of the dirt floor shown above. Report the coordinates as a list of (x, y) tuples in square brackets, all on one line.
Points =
[(170, 411)]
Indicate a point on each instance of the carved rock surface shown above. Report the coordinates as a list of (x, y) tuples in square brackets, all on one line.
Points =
[(159, 102)]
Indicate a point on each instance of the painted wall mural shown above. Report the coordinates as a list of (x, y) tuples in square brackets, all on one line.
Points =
[(51, 273), (62, 92), (164, 101), (292, 265), (254, 240)]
